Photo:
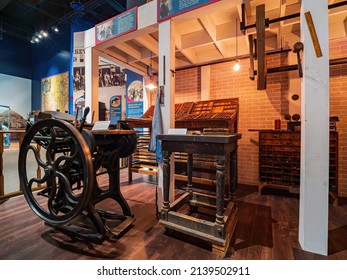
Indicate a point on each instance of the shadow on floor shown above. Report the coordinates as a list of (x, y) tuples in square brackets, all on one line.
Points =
[(337, 240), (254, 226)]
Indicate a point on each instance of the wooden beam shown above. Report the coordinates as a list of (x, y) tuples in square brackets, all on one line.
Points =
[(149, 42), (130, 50), (260, 26), (208, 24), (283, 6), (251, 57)]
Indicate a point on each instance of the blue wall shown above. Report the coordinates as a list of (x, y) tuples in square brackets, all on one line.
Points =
[(50, 57), (37, 61), (15, 58)]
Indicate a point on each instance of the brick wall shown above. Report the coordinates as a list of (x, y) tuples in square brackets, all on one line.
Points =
[(259, 109), (338, 106), (188, 85)]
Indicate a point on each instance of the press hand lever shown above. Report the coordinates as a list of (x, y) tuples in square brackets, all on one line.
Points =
[(298, 47), (84, 117)]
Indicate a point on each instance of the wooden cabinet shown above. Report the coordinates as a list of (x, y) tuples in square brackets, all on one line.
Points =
[(218, 113), (279, 161)]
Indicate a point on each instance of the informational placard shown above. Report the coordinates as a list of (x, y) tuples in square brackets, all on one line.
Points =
[(101, 125), (134, 95), (115, 108), (171, 8), (116, 26)]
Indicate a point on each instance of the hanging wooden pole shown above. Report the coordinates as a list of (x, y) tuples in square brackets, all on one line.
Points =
[(251, 57), (260, 26)]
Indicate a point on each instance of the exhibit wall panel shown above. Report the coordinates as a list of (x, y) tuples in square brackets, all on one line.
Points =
[(15, 92)]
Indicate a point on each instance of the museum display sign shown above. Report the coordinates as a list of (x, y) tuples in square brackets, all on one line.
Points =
[(116, 26), (171, 8)]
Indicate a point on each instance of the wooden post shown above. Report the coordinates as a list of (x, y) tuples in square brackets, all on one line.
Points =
[(260, 26), (314, 174), (251, 57), (167, 85)]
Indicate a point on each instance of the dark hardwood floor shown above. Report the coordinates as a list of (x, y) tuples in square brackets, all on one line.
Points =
[(267, 229)]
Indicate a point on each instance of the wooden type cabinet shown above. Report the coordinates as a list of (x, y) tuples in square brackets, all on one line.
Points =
[(218, 113), (279, 161), (220, 228)]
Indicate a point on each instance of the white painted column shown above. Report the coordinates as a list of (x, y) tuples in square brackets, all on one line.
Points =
[(91, 75), (205, 82), (314, 182), (167, 81)]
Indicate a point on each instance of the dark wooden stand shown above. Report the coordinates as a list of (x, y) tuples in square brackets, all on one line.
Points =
[(224, 148)]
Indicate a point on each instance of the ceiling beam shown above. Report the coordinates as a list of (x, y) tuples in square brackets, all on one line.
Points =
[(40, 10), (283, 6), (208, 24), (149, 42), (116, 6), (189, 54), (4, 3), (128, 49), (195, 39)]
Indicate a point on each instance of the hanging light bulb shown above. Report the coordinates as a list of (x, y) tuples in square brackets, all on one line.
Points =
[(237, 61), (151, 84), (237, 65)]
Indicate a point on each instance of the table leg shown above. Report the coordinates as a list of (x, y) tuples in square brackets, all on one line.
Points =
[(190, 173), (166, 180), (233, 175), (114, 185), (220, 181)]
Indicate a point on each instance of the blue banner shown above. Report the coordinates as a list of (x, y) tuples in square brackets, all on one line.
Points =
[(115, 108), (134, 95), (170, 8), (116, 26)]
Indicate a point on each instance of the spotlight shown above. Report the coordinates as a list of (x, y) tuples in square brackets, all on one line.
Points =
[(44, 34), (39, 35), (36, 39), (55, 29), (76, 5)]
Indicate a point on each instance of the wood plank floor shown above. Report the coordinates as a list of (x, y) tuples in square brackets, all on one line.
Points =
[(267, 230)]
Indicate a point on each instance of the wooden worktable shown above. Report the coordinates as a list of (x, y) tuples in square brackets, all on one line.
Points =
[(224, 149)]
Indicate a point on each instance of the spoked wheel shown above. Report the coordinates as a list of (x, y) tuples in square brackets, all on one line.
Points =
[(67, 172)]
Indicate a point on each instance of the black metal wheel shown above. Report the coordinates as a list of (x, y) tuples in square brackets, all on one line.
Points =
[(66, 167)]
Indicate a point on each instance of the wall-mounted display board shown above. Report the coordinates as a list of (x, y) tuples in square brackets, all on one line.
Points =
[(134, 95), (55, 92), (116, 26), (171, 8), (112, 87)]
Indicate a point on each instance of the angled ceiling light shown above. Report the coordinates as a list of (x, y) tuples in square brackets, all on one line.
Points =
[(55, 29), (76, 5), (44, 33)]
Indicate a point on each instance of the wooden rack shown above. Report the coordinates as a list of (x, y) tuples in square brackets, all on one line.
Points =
[(219, 113), (279, 161)]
